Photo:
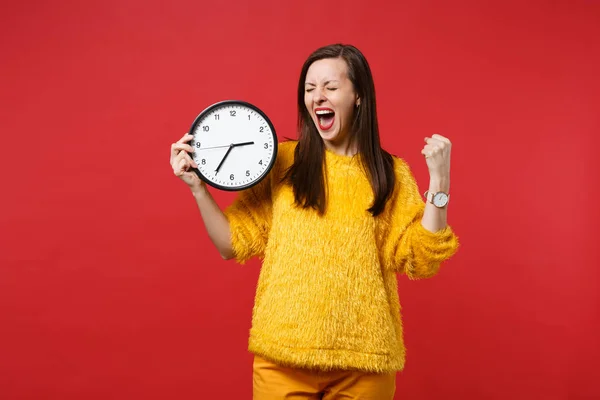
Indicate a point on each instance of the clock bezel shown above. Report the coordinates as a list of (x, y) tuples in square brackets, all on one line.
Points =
[(224, 103)]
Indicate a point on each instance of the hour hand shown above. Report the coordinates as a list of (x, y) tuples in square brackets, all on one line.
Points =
[(241, 144)]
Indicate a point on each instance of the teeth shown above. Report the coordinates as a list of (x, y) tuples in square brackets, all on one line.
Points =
[(324, 112)]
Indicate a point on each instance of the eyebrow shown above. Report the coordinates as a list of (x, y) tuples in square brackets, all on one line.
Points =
[(326, 83)]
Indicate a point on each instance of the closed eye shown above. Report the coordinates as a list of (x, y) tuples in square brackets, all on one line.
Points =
[(332, 88), (309, 90)]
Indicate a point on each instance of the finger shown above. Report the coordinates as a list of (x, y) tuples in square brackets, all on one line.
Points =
[(183, 147), (441, 138), (430, 150), (190, 160), (183, 166), (177, 148), (429, 140), (178, 167), (432, 147), (177, 159), (187, 164), (436, 141), (185, 138)]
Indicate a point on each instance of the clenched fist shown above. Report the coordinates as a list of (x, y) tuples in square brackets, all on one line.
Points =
[(437, 155)]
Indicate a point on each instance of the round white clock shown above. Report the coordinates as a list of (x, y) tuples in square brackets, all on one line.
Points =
[(234, 143)]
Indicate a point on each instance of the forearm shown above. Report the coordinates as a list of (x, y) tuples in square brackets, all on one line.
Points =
[(435, 241), (215, 221), (434, 218)]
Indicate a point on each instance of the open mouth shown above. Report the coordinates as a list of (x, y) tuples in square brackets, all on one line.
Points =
[(326, 118)]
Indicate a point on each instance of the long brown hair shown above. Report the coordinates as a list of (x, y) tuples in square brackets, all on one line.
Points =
[(307, 172)]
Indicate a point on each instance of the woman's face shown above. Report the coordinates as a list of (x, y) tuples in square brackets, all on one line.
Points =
[(330, 99)]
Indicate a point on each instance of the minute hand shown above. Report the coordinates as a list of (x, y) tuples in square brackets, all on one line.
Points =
[(224, 157)]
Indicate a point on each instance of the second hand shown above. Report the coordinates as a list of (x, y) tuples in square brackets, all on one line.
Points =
[(215, 147), (221, 147)]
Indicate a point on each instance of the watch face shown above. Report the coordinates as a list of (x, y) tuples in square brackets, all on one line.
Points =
[(235, 145), (440, 199)]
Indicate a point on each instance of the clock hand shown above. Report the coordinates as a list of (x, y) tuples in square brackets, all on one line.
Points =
[(220, 147), (242, 144), (214, 147), (224, 157)]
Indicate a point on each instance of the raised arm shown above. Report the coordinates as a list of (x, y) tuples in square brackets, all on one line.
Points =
[(437, 155), (418, 238)]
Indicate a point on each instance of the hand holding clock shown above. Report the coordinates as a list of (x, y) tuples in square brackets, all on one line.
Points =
[(182, 162)]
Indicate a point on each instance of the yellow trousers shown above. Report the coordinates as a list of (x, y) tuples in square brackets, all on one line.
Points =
[(274, 382)]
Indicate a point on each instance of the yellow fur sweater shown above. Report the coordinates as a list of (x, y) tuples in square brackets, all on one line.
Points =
[(327, 295)]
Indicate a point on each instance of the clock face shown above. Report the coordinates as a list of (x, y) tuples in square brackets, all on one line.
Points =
[(235, 145)]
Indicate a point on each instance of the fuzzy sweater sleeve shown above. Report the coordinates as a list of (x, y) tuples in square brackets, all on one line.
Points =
[(249, 219), (408, 247)]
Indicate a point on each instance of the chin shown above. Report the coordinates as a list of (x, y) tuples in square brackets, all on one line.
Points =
[(331, 138), (331, 135)]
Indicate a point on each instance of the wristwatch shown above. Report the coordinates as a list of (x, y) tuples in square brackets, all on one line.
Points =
[(439, 199)]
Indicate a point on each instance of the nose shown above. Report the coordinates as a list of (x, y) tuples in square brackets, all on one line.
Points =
[(319, 96)]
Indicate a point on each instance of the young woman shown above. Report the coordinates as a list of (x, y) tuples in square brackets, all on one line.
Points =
[(334, 222)]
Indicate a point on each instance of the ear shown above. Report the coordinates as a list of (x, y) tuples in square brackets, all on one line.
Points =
[(357, 101)]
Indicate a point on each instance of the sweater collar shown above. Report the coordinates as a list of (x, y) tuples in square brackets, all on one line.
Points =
[(340, 159)]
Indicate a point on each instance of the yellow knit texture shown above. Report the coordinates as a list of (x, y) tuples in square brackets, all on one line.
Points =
[(327, 295)]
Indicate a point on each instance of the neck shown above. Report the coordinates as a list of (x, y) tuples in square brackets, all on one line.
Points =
[(345, 148)]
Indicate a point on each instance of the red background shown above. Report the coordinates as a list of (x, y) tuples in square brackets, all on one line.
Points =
[(109, 286)]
